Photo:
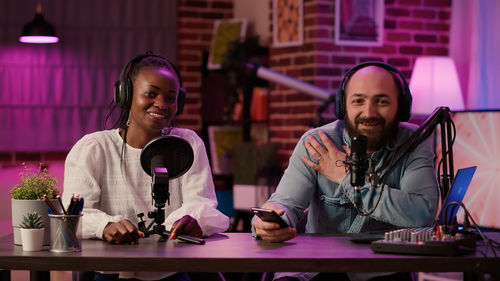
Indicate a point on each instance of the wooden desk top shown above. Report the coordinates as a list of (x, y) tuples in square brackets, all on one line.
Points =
[(237, 252)]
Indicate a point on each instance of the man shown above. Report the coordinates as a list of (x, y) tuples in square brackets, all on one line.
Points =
[(373, 101)]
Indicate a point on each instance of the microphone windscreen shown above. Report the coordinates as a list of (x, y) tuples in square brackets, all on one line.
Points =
[(170, 152), (358, 160), (358, 144)]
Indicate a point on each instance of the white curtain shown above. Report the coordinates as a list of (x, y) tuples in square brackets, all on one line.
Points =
[(475, 45), (51, 95)]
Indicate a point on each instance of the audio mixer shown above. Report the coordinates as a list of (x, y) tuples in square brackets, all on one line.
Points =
[(424, 241)]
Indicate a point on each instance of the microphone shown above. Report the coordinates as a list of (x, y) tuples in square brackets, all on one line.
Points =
[(165, 158), (358, 164), (358, 160), (160, 176)]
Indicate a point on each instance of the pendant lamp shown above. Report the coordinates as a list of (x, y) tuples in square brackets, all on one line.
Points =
[(39, 31)]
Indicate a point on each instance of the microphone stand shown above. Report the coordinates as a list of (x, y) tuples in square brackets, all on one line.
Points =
[(440, 116), (160, 193), (160, 183)]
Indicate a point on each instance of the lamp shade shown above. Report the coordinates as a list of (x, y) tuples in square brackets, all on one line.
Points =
[(38, 31), (434, 82)]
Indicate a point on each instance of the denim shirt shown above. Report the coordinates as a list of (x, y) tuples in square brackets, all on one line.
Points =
[(410, 196), (409, 199)]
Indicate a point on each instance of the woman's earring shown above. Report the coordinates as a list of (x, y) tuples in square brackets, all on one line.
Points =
[(128, 121)]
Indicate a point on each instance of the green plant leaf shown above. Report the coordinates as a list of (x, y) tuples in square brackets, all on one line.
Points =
[(34, 184), (32, 220)]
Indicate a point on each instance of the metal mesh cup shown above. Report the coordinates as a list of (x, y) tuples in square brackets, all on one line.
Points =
[(65, 233)]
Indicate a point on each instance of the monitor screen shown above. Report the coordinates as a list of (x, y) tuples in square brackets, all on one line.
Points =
[(457, 192), (478, 144)]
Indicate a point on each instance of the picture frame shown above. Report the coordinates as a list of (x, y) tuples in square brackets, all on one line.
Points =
[(225, 31), (359, 23), (288, 23), (222, 142)]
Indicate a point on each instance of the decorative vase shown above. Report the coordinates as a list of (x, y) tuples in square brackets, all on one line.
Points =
[(32, 239), (22, 207)]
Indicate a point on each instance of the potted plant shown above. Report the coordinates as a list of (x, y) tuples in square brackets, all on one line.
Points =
[(27, 197), (32, 232)]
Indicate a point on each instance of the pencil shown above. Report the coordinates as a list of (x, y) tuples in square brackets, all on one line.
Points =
[(60, 203), (47, 200)]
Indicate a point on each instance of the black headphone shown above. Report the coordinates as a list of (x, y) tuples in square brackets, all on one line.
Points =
[(124, 87), (404, 100)]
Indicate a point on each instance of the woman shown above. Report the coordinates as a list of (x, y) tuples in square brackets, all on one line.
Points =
[(104, 167)]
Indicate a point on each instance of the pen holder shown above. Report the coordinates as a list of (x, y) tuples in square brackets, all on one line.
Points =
[(65, 233)]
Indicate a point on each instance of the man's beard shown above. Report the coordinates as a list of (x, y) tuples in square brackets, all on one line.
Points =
[(377, 137)]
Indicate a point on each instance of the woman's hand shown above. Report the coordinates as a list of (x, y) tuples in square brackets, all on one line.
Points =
[(186, 225), (121, 232)]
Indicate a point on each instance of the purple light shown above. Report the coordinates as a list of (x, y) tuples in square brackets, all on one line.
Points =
[(39, 39), (434, 82), (39, 31)]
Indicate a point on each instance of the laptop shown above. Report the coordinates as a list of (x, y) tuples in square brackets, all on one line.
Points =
[(456, 193)]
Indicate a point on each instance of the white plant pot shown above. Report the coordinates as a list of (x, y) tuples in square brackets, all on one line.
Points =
[(22, 207), (32, 239)]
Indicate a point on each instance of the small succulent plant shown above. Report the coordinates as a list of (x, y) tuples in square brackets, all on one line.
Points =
[(32, 220)]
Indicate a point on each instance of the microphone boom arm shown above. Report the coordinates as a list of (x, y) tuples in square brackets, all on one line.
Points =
[(440, 116)]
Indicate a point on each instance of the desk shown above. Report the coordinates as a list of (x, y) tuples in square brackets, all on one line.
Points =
[(238, 252)]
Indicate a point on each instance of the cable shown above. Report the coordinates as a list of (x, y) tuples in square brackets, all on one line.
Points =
[(489, 243), (444, 155), (124, 142)]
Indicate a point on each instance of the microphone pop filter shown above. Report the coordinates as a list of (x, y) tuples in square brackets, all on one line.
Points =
[(170, 152)]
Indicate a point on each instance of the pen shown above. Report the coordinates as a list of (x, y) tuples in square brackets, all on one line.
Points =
[(187, 238), (80, 206), (76, 205), (173, 233), (71, 204)]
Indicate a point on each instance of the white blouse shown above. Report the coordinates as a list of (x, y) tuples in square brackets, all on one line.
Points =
[(116, 187)]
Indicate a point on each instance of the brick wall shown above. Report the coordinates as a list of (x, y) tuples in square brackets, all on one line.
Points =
[(412, 28)]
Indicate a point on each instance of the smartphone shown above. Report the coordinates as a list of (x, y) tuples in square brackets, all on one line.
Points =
[(269, 215)]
